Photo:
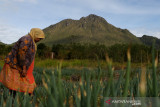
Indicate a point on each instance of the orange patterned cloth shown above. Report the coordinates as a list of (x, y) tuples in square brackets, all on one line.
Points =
[(22, 53), (11, 78)]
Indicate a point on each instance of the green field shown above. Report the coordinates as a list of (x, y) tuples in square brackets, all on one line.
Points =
[(86, 83), (80, 64), (61, 86)]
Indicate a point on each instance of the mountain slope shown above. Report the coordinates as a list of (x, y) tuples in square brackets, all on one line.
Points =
[(90, 29), (148, 40), (2, 43)]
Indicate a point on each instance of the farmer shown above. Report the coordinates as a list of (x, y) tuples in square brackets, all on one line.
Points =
[(16, 74)]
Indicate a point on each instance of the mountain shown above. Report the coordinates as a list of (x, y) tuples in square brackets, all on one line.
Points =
[(2, 43), (91, 29), (148, 40)]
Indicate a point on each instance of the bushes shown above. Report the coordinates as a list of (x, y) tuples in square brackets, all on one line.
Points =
[(43, 51), (117, 52), (4, 49)]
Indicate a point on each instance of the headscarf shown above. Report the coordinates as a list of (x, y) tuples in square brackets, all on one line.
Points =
[(36, 33)]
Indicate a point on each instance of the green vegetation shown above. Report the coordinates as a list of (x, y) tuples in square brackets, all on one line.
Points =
[(80, 64), (1, 63), (4, 49), (63, 87), (1, 43), (140, 53), (91, 29), (147, 40), (49, 63), (77, 55)]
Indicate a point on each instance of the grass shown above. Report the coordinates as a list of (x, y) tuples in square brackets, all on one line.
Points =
[(2, 60), (66, 63), (1, 63), (79, 64), (75, 63)]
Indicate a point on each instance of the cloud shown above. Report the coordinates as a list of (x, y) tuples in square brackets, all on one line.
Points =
[(139, 32), (10, 34)]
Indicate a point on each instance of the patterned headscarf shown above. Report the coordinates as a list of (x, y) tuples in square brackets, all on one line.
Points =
[(36, 33)]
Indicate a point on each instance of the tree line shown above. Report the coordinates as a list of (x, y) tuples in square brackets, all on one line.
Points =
[(4, 49), (117, 52)]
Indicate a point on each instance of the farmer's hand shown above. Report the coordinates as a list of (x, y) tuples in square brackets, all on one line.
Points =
[(24, 72)]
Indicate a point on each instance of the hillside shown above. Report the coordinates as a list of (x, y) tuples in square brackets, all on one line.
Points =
[(91, 29), (2, 43), (148, 40)]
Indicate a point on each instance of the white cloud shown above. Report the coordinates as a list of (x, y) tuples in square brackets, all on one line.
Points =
[(139, 32), (10, 34)]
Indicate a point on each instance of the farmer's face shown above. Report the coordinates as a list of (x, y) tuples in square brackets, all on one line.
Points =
[(37, 39)]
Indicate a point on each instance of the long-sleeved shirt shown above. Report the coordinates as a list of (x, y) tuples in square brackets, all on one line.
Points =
[(22, 53)]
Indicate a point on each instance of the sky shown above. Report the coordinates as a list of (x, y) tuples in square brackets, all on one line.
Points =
[(17, 17)]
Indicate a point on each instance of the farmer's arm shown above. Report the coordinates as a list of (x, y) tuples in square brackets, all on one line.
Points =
[(23, 48)]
